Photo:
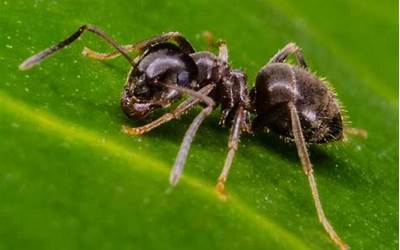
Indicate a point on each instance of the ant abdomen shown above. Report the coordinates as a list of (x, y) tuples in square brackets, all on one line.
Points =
[(319, 112)]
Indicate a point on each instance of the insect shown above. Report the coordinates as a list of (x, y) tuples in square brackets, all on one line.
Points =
[(287, 99)]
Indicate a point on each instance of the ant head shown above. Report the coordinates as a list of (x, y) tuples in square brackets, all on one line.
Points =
[(145, 89)]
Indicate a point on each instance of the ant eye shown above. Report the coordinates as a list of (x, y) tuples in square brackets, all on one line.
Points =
[(183, 78)]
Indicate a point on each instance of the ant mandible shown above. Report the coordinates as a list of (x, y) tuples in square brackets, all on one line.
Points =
[(287, 99)]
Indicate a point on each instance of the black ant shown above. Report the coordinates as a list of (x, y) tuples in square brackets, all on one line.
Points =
[(287, 99)]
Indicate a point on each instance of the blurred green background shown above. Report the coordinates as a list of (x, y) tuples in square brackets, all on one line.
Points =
[(69, 179)]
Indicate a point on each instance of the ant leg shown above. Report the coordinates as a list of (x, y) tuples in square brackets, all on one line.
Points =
[(180, 160), (211, 43), (220, 44), (37, 58), (175, 114), (223, 51), (356, 132), (143, 45), (233, 146), (308, 170), (290, 48), (209, 39), (105, 56)]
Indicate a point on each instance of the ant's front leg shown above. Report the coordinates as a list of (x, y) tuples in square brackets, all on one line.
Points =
[(175, 114), (290, 48), (180, 160)]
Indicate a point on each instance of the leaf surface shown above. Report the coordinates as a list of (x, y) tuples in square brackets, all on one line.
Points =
[(70, 179)]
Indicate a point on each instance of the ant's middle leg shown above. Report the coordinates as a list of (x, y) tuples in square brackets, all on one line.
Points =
[(233, 144), (175, 114), (143, 45), (290, 48)]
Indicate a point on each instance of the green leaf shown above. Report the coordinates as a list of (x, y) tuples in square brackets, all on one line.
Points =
[(69, 179)]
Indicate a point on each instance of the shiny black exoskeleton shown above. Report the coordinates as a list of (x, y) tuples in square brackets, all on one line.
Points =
[(160, 64), (318, 109), (287, 99)]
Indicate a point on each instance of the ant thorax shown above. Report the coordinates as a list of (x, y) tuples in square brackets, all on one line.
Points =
[(230, 85)]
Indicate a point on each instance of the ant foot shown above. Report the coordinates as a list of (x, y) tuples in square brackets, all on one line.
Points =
[(357, 132), (354, 132), (220, 189), (132, 131)]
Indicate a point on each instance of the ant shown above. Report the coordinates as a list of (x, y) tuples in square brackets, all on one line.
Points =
[(287, 99)]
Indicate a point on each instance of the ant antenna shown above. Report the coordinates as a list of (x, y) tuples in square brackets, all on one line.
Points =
[(37, 58)]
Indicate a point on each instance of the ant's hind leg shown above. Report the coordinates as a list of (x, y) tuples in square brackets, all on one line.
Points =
[(143, 45), (355, 132), (290, 48), (37, 58), (308, 170), (175, 114), (233, 146)]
